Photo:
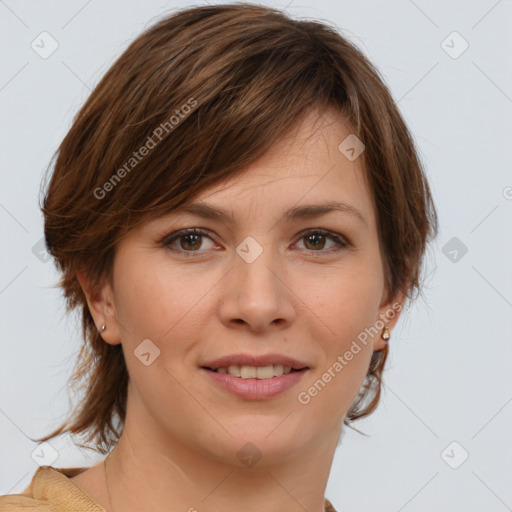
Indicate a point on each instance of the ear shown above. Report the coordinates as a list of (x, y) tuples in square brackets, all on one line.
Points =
[(389, 313), (102, 307)]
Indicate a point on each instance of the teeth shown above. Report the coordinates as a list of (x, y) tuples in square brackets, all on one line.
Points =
[(248, 372), (234, 370), (264, 372), (278, 370), (256, 372)]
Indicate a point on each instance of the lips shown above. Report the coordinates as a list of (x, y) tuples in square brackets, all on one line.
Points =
[(255, 361), (255, 377), (254, 388)]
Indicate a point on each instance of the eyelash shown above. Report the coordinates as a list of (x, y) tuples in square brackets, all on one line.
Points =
[(167, 240)]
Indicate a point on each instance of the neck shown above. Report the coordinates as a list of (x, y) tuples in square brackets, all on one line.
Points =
[(148, 470)]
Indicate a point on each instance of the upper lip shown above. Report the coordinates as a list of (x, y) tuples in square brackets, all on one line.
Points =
[(251, 360)]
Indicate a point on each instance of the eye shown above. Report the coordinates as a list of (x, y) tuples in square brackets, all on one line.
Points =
[(190, 241), (316, 240)]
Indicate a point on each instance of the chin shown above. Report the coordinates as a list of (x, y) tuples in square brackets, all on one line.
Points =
[(266, 438)]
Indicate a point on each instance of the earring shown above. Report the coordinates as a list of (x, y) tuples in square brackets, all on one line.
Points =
[(102, 328), (385, 334)]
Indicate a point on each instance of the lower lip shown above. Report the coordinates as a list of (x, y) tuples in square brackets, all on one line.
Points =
[(256, 389)]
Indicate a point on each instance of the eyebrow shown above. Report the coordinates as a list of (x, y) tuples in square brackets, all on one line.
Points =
[(307, 211)]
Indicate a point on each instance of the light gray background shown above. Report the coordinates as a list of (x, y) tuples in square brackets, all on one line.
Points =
[(449, 373)]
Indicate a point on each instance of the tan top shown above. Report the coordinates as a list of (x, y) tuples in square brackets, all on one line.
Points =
[(51, 490)]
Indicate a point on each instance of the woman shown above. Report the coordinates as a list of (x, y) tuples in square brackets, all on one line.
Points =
[(240, 214)]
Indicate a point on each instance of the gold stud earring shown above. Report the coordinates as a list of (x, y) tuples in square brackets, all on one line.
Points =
[(385, 334)]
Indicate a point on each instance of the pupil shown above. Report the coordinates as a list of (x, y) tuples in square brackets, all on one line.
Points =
[(315, 244), (194, 237)]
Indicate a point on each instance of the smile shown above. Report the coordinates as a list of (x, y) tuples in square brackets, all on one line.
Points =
[(255, 383), (254, 372)]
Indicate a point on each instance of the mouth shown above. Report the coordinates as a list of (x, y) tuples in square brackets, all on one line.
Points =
[(255, 372), (255, 377), (254, 382)]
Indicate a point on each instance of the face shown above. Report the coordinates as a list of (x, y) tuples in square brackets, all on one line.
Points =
[(307, 287)]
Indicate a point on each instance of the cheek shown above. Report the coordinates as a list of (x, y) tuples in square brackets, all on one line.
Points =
[(348, 308), (335, 383), (153, 296), (329, 393), (348, 301), (165, 303)]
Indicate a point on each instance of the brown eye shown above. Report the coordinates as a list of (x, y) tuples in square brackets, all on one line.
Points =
[(316, 240), (187, 241), (190, 242)]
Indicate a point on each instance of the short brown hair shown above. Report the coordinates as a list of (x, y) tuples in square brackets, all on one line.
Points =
[(247, 73)]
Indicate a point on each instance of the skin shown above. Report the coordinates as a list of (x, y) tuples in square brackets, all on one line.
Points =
[(182, 433)]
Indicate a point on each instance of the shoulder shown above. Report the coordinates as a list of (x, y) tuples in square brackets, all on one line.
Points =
[(23, 500), (50, 490), (19, 502)]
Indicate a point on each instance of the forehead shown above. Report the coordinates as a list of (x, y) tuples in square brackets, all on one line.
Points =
[(303, 176), (305, 167)]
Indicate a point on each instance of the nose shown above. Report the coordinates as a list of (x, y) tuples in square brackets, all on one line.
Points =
[(255, 294)]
